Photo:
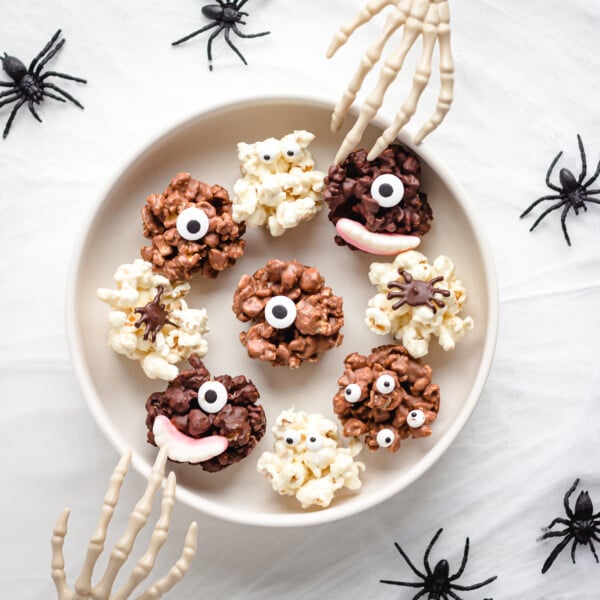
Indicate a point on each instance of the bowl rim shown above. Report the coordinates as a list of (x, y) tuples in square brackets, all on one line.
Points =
[(361, 502)]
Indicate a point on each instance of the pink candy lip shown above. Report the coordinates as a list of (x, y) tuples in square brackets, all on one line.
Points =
[(388, 244), (182, 448)]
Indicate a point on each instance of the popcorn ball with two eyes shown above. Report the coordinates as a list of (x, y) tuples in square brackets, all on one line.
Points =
[(416, 301), (376, 206), (387, 397), (211, 422), (294, 316), (151, 322), (191, 229), (308, 461), (280, 187)]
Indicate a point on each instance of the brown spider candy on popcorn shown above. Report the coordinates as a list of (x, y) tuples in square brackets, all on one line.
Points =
[(294, 316), (191, 229), (386, 396), (210, 422), (376, 205)]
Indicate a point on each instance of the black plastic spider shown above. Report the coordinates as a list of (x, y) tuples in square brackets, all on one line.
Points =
[(583, 526), (572, 193), (30, 85), (439, 584), (226, 14)]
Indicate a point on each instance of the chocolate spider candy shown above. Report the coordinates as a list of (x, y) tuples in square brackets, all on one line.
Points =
[(376, 206), (294, 316), (191, 230), (210, 422), (387, 397)]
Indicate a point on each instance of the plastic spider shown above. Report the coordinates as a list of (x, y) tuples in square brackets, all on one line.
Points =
[(572, 193), (582, 527), (226, 15), (439, 584), (415, 292), (30, 85)]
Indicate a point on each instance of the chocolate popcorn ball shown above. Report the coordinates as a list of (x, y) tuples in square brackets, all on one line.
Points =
[(386, 396), (294, 316), (191, 229), (369, 198), (210, 422)]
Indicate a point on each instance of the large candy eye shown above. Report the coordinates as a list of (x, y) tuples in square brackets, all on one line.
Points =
[(314, 441), (291, 437), (385, 438), (387, 190), (269, 151), (415, 418), (212, 396), (280, 312), (192, 224), (352, 393), (290, 150), (385, 384)]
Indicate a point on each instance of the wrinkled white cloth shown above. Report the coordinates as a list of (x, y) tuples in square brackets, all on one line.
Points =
[(526, 83)]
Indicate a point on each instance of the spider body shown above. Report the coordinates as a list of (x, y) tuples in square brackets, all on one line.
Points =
[(437, 583), (582, 526), (226, 16), (573, 192), (30, 85)]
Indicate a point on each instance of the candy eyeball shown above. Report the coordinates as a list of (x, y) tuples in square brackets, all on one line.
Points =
[(291, 151), (280, 312), (415, 418), (212, 396), (352, 393), (269, 151), (291, 437), (385, 438), (385, 384), (192, 224), (387, 190), (314, 441)]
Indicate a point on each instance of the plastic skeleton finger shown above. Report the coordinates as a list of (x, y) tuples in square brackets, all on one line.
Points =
[(429, 19), (103, 591)]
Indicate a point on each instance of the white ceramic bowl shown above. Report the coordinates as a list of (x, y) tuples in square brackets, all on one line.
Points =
[(116, 388)]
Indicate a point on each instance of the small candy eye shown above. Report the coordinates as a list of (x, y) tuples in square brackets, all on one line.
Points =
[(291, 437), (387, 190), (352, 393), (385, 438), (280, 312), (415, 418), (269, 151), (192, 224), (291, 151), (314, 441), (212, 396), (385, 384)]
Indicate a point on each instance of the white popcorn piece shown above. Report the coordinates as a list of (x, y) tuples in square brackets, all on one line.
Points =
[(415, 325), (280, 187), (177, 340), (308, 461)]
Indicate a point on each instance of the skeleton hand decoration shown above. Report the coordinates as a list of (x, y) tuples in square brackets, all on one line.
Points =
[(429, 18), (119, 554)]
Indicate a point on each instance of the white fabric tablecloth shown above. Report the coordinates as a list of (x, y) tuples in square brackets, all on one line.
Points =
[(527, 81)]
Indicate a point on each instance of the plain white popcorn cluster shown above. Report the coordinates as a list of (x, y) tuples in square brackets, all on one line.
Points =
[(307, 461), (414, 325), (182, 336), (279, 188)]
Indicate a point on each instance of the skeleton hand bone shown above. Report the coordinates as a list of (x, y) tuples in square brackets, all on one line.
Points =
[(429, 18), (120, 553)]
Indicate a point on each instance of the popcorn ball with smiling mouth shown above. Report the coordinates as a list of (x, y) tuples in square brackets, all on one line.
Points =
[(376, 206), (294, 316), (212, 422), (191, 229), (387, 397)]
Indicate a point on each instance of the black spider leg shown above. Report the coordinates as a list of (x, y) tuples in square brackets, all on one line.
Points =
[(32, 111), (593, 177), (548, 210), (6, 84), (414, 569), (593, 550), (211, 39), (428, 550), (12, 116), (15, 96), (63, 76), (563, 222), (44, 50), (556, 551), (49, 56), (528, 210), (248, 35), (463, 564), (15, 90), (9, 100), (53, 96), (195, 33), (583, 160), (233, 47), (61, 91), (549, 173)]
